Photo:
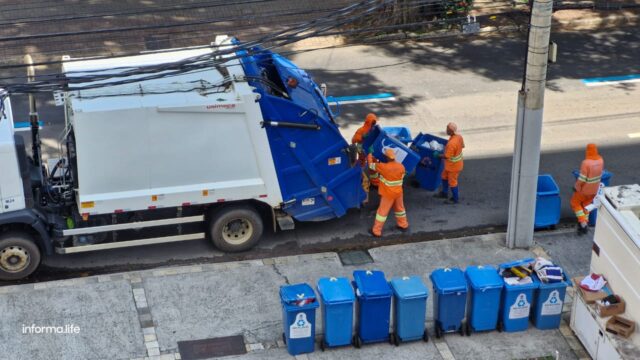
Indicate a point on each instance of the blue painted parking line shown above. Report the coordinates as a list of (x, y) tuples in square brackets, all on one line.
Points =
[(360, 99), (25, 125), (611, 80)]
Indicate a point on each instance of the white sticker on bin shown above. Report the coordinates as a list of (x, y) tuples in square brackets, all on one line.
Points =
[(520, 308), (308, 201), (301, 328), (553, 305)]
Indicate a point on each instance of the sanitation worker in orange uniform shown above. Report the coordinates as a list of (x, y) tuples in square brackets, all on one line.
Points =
[(368, 177), (453, 164), (586, 186), (390, 190)]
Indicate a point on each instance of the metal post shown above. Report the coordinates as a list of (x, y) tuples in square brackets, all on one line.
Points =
[(526, 156)]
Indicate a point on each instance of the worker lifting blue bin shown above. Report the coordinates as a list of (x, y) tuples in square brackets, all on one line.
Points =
[(485, 286), (516, 301), (429, 171), (374, 303), (547, 202), (548, 301), (299, 306), (337, 311), (378, 140), (400, 133), (605, 180), (410, 309), (449, 300)]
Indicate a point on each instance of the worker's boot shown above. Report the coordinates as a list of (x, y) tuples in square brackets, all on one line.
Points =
[(583, 229), (454, 195), (444, 193)]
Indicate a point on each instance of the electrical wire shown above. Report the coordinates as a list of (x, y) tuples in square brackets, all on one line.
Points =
[(281, 38)]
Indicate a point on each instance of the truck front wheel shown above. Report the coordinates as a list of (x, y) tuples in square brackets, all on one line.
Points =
[(235, 229), (19, 255)]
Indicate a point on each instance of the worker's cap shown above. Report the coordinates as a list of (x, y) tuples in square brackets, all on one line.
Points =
[(452, 127), (592, 150), (390, 154), (371, 118)]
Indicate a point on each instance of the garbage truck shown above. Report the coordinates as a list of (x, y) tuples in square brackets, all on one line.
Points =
[(224, 152)]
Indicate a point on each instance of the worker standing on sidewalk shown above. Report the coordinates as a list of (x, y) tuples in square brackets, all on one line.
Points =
[(453, 164), (391, 175), (358, 140), (586, 186)]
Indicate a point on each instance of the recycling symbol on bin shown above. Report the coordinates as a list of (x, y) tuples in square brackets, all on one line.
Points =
[(553, 300), (521, 303), (300, 322)]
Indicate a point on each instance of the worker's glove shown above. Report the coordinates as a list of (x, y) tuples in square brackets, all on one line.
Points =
[(370, 158)]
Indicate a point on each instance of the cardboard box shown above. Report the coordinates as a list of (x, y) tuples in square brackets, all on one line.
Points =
[(589, 297), (613, 309), (621, 326)]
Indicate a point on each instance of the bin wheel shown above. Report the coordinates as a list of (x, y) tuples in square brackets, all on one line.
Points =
[(425, 336), (499, 327), (438, 332), (467, 328), (322, 344), (461, 330), (284, 339), (394, 339), (357, 342)]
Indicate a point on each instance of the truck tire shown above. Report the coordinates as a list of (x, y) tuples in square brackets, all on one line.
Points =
[(235, 229), (19, 255)]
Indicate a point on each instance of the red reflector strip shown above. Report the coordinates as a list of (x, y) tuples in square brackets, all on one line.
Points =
[(263, 196), (186, 204), (151, 207), (220, 200), (118, 211)]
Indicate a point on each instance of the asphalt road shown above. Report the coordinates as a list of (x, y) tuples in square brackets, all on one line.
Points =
[(471, 81)]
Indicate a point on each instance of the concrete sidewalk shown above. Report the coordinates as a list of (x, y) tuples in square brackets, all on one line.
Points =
[(146, 313)]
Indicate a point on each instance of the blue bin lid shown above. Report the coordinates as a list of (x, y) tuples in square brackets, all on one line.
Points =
[(409, 287), (516, 263), (371, 283), (335, 290), (484, 277), (448, 280), (298, 295)]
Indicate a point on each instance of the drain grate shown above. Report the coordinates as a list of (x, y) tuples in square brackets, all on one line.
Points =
[(215, 347), (355, 257)]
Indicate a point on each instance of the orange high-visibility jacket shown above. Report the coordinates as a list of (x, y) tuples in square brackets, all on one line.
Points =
[(590, 173), (391, 176), (453, 153)]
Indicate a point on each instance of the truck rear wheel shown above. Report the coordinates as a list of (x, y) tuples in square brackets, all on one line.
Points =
[(19, 255), (235, 229)]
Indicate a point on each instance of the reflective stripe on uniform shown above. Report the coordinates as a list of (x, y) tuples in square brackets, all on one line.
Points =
[(589, 180), (580, 213), (390, 183), (372, 166), (456, 158), (374, 175), (380, 218), (401, 213)]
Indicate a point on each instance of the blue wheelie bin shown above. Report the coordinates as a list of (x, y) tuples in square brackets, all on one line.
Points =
[(485, 286), (449, 300), (399, 133), (548, 300), (605, 180), (429, 174), (374, 302), (516, 301), (337, 311), (299, 306), (410, 296), (548, 202)]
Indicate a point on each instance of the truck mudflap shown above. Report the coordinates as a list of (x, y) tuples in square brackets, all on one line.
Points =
[(312, 161)]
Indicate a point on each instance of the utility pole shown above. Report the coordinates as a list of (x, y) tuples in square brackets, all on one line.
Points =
[(526, 156)]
